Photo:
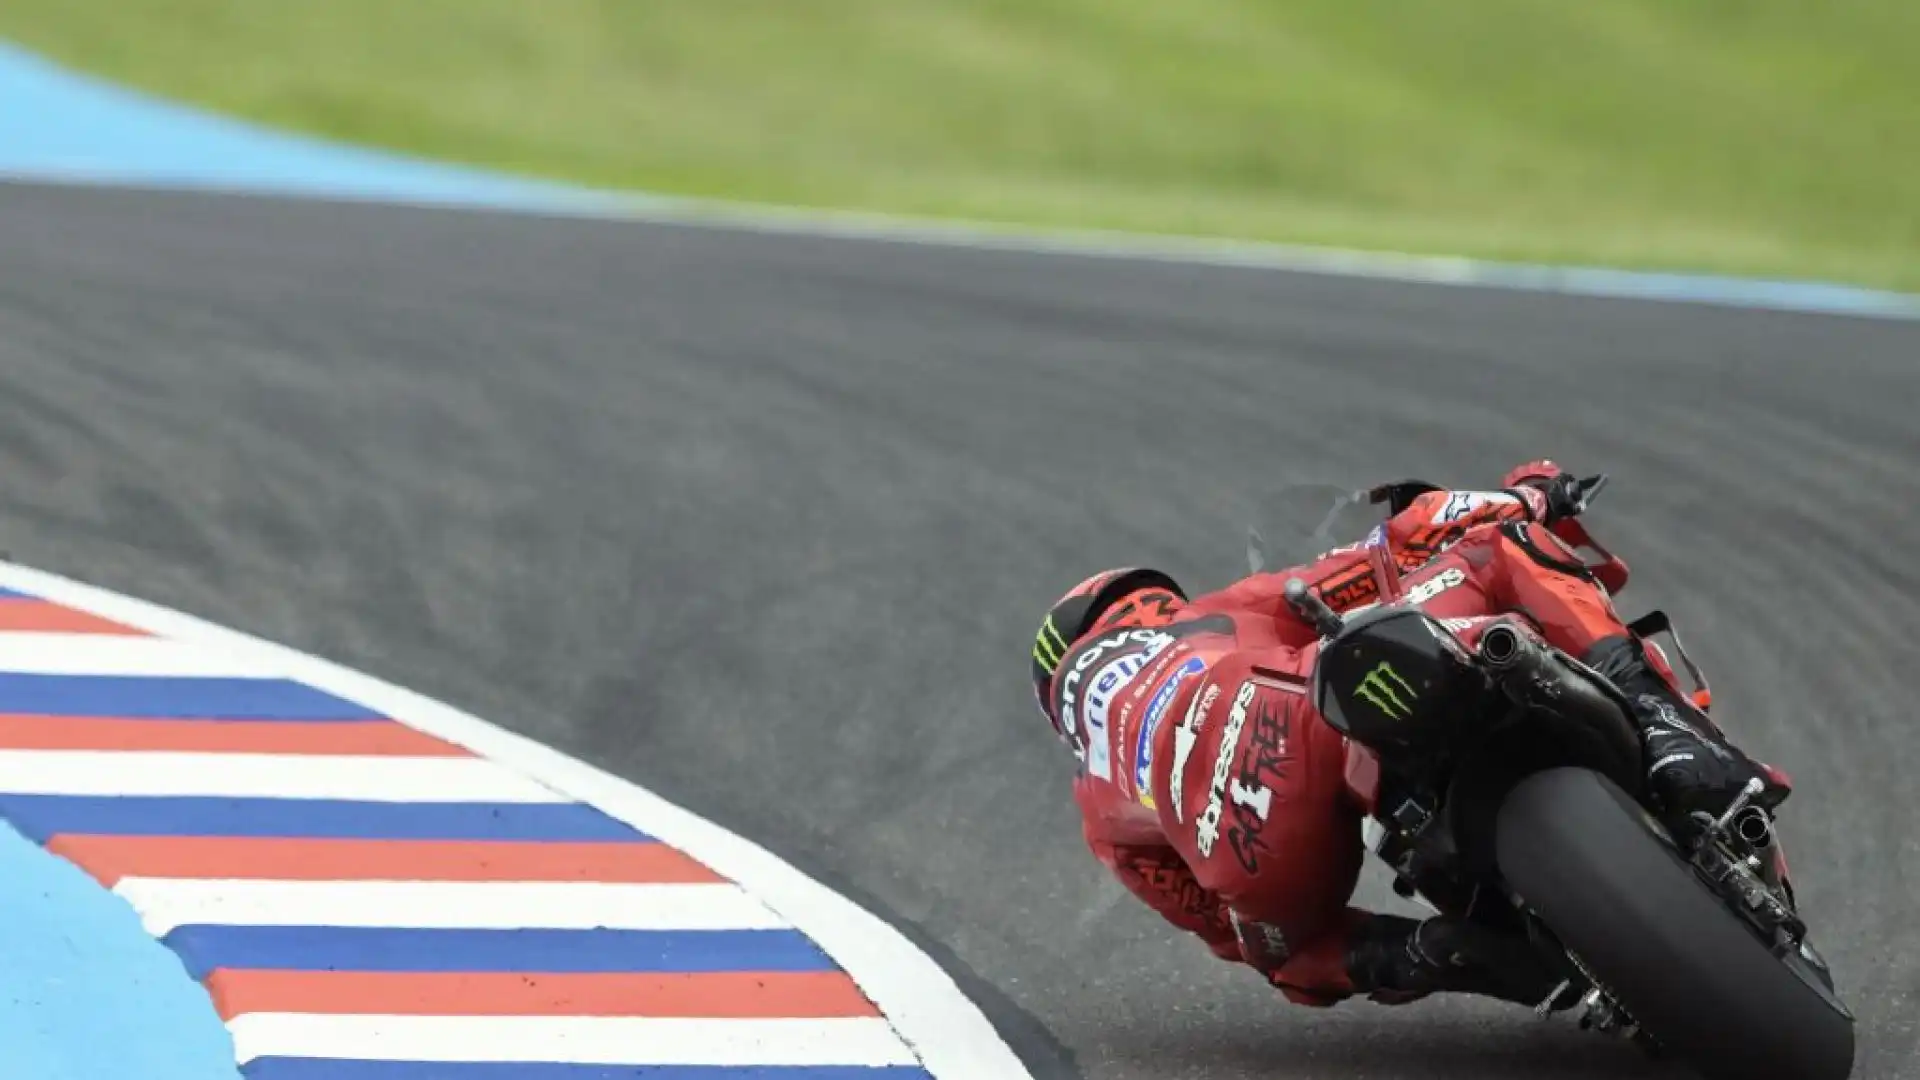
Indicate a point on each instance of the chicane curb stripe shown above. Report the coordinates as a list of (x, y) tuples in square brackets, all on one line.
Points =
[(18, 613), (584, 1039), (688, 994), (332, 948), (110, 858), (199, 863), (274, 1068), (42, 816), (78, 652), (130, 696), (267, 776), (349, 737), (166, 904)]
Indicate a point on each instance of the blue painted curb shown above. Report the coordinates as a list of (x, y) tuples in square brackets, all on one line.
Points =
[(85, 992), (59, 125)]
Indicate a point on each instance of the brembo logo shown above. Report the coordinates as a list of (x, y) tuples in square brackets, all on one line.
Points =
[(1384, 689)]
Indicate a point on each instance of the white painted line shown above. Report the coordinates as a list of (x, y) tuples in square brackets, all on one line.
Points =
[(1817, 297), (597, 1040), (952, 1038), (265, 776), (164, 903), (109, 654)]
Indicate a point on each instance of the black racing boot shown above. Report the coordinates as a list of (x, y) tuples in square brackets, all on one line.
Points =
[(1691, 766), (1393, 958)]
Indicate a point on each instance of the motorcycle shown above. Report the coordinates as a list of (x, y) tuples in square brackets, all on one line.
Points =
[(1502, 782)]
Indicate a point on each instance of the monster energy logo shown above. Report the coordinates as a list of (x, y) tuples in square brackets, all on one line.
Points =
[(1048, 645), (1383, 687)]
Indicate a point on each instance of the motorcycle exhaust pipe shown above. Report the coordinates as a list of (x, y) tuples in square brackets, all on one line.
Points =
[(1754, 828), (1502, 648), (1533, 675)]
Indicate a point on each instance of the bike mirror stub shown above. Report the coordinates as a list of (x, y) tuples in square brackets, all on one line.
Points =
[(1324, 619), (1387, 682)]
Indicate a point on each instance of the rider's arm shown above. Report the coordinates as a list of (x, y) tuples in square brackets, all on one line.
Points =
[(1157, 875), (1434, 521), (1429, 524)]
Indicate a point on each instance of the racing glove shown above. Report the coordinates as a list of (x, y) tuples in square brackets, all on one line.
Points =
[(1565, 496)]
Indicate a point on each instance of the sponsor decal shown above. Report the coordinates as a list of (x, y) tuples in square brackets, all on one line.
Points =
[(1206, 829), (1261, 770), (1462, 504), (1458, 505), (1156, 711), (1449, 578), (1184, 736), (1048, 645), (1106, 684), (1168, 878), (1157, 670), (1348, 588), (1143, 643), (1384, 689)]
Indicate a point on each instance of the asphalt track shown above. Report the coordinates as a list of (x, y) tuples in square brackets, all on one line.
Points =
[(764, 522)]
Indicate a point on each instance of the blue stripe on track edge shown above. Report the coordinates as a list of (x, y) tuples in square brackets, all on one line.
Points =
[(42, 817), (285, 1068), (203, 948), (158, 697), (15, 594)]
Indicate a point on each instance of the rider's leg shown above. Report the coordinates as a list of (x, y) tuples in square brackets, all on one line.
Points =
[(1691, 766), (1394, 960), (1286, 855)]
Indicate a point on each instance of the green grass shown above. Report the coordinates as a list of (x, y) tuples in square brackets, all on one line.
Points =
[(1778, 137)]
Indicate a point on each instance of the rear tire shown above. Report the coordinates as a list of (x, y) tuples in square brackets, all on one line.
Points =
[(1588, 860)]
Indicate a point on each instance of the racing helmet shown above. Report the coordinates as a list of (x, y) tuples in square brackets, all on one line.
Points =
[(1123, 598)]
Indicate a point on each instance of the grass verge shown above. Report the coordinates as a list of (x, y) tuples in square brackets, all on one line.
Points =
[(1769, 137)]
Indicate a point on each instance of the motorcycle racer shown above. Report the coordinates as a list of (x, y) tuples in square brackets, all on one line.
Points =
[(1214, 792)]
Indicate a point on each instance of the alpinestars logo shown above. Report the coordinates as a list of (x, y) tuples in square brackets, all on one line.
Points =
[(1427, 590), (1384, 689), (1206, 830)]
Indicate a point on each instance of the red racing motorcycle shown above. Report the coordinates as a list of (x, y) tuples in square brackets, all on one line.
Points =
[(1503, 783)]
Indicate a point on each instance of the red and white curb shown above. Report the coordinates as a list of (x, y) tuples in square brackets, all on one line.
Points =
[(373, 885)]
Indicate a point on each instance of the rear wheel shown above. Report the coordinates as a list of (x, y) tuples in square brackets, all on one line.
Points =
[(1589, 861)]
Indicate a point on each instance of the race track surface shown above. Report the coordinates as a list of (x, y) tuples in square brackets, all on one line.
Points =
[(764, 524)]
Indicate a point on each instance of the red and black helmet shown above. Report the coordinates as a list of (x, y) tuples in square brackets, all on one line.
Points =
[(1123, 598)]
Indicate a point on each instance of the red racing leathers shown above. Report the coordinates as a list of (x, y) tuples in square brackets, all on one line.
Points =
[(1211, 787)]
